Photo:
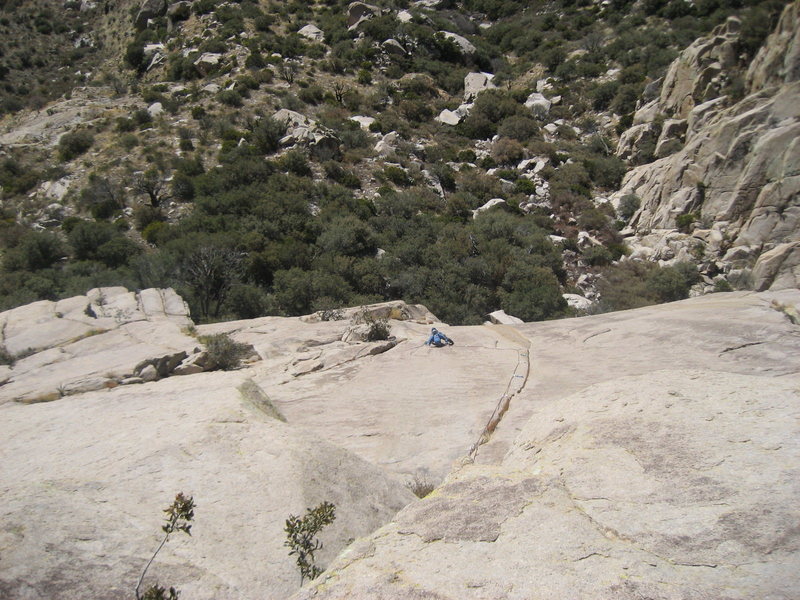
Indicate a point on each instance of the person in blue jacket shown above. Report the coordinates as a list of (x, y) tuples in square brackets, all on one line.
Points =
[(438, 339)]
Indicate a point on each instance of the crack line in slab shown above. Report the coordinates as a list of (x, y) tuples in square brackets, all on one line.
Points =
[(739, 347), (595, 335), (504, 402)]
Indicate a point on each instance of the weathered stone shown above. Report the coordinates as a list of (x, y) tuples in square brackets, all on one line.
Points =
[(179, 11), (150, 9), (671, 138), (499, 317), (778, 269), (463, 44), (155, 109), (312, 32), (448, 117), (148, 373), (358, 12), (577, 301), (489, 204), (207, 62), (629, 470), (538, 104), (127, 451), (393, 47), (475, 83)]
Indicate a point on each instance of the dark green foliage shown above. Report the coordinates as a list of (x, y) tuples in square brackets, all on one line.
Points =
[(684, 222), (224, 352), (266, 135), (72, 145), (36, 251), (301, 537), (339, 174), (632, 284), (628, 206)]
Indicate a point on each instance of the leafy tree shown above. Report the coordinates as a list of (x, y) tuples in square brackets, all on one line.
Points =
[(210, 271)]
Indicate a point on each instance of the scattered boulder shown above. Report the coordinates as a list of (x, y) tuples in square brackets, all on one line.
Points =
[(358, 12), (393, 47), (207, 62), (577, 302), (778, 269), (538, 104), (475, 83), (449, 117), (312, 32), (463, 44), (179, 11), (155, 109), (499, 317), (150, 9), (489, 204)]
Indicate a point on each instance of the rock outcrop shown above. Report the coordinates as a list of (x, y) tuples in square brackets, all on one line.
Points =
[(643, 453), (91, 342), (737, 166), (652, 474)]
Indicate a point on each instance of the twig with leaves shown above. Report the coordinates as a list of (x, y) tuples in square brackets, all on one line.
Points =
[(300, 534), (179, 518)]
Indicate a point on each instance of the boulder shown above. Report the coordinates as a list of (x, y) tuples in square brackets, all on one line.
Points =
[(393, 47), (464, 45), (778, 60), (449, 117), (150, 9), (538, 104), (155, 109), (179, 11), (778, 269), (577, 301), (475, 83), (358, 12), (499, 317), (207, 62), (489, 204), (363, 122), (312, 32)]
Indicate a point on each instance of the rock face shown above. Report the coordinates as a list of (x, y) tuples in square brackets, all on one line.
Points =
[(89, 342), (738, 165), (100, 467), (639, 460), (305, 131)]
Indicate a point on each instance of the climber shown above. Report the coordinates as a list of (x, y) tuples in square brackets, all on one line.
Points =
[(438, 339)]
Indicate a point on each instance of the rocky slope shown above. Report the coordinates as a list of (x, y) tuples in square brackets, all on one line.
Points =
[(643, 453), (652, 453), (726, 168)]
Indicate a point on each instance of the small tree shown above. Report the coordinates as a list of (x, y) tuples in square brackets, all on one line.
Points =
[(151, 185), (180, 515), (211, 271), (300, 537)]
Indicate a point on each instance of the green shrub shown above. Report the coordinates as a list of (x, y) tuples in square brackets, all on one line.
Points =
[(72, 145), (224, 352), (684, 222), (628, 206), (300, 537)]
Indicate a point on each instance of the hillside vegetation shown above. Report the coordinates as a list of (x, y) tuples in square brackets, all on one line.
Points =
[(177, 168)]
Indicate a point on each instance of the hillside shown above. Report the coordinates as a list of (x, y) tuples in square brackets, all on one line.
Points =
[(650, 452), (270, 158)]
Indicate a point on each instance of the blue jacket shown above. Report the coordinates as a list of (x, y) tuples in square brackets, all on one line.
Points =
[(438, 339)]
